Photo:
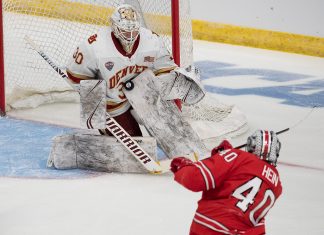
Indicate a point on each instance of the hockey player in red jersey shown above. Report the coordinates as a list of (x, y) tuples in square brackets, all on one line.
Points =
[(239, 187)]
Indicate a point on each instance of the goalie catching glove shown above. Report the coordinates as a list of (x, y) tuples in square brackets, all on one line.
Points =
[(181, 83)]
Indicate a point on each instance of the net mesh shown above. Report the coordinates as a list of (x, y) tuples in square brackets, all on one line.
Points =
[(58, 26), (208, 109)]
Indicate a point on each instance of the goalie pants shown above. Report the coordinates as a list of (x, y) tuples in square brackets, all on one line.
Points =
[(128, 122)]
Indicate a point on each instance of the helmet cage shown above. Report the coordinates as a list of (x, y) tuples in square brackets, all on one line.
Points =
[(125, 26), (264, 144)]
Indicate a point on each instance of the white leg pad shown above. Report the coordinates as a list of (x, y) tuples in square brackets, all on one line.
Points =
[(162, 118), (97, 152), (93, 104)]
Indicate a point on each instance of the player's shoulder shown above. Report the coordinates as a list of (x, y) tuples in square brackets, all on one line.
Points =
[(97, 42), (104, 33), (96, 39), (247, 157), (255, 162), (235, 156), (148, 34)]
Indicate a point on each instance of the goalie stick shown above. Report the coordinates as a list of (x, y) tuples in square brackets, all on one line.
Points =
[(119, 133)]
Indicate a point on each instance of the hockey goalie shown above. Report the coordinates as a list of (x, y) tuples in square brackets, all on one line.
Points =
[(126, 71)]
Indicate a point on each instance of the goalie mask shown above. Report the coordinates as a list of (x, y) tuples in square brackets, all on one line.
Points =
[(125, 25), (265, 144)]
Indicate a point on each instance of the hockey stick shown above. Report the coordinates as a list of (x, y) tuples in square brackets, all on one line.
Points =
[(120, 134), (166, 163), (288, 128)]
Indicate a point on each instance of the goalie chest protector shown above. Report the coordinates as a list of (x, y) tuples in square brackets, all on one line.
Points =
[(162, 118)]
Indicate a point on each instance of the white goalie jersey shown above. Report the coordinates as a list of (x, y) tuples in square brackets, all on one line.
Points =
[(101, 57)]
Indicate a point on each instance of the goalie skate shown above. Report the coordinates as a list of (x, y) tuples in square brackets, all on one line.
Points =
[(162, 119)]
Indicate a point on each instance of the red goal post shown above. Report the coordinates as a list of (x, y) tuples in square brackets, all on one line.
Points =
[(2, 80), (59, 25)]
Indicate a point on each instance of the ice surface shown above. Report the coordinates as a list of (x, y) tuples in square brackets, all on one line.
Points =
[(275, 90)]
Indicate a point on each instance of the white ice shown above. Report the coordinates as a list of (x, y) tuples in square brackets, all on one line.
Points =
[(127, 204)]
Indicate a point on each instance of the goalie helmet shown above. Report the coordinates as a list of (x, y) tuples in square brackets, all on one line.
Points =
[(265, 144), (125, 25)]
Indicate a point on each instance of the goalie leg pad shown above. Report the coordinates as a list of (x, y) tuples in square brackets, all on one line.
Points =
[(97, 152), (93, 104), (162, 118)]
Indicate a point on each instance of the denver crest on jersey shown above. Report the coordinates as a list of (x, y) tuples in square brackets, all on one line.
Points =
[(128, 71), (99, 58)]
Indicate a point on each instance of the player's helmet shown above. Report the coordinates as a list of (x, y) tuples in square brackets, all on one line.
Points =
[(125, 24), (265, 144)]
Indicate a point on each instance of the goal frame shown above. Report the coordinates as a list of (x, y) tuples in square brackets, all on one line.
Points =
[(175, 49), (2, 73)]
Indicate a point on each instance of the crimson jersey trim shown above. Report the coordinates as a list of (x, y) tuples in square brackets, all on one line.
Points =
[(120, 48)]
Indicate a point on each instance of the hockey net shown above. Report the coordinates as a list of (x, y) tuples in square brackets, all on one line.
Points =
[(58, 26)]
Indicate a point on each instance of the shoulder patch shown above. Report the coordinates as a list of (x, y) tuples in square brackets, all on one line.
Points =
[(92, 38)]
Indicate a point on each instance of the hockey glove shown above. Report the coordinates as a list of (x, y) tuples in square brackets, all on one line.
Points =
[(179, 162), (221, 147)]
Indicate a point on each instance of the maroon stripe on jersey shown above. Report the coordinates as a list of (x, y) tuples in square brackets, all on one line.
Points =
[(73, 78), (211, 223), (120, 48), (114, 106)]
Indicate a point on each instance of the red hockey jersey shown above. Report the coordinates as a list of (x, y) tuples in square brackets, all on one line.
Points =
[(238, 191)]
